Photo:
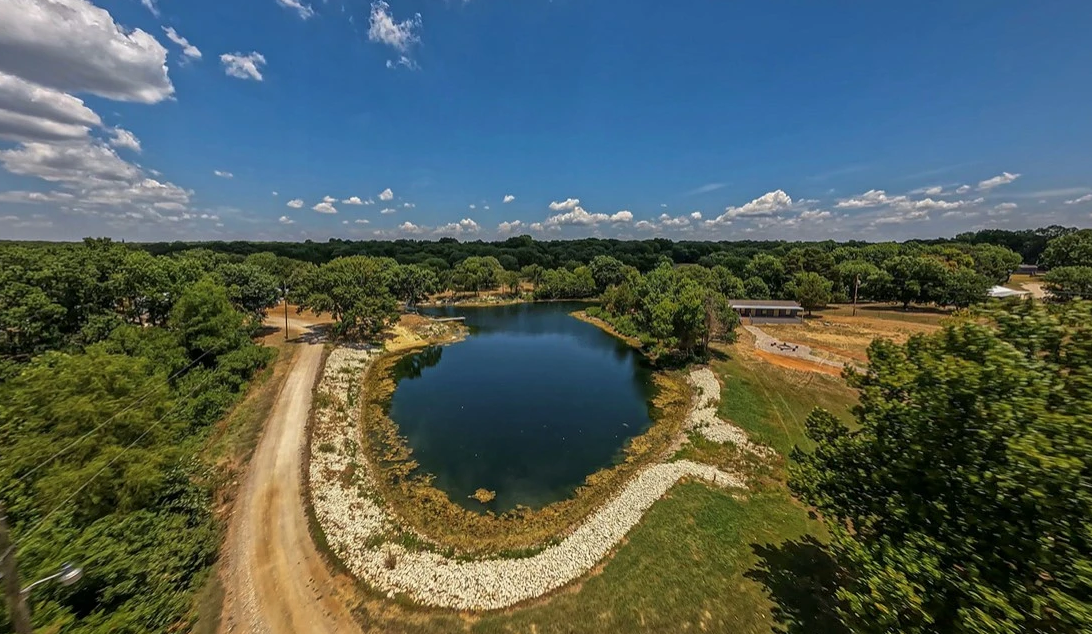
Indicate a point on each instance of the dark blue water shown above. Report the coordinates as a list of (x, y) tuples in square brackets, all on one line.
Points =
[(529, 405)]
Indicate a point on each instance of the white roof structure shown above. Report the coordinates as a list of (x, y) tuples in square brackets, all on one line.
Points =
[(1001, 292)]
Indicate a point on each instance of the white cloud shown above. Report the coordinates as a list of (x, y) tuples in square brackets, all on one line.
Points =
[(75, 46), (935, 190), (667, 221), (576, 217), (871, 198), (25, 128), (388, 211), (705, 189), (409, 227), (304, 10), (464, 226), (124, 138), (296, 203), (325, 208), (386, 194), (243, 66), (1004, 179), (567, 205), (189, 50), (98, 181), (285, 220), (29, 112), (353, 200), (963, 189), (473, 206), (768, 204), (276, 194), (622, 216), (408, 205), (509, 198), (1082, 199), (814, 214), (329, 199), (506, 228), (18, 196), (361, 221), (486, 207), (223, 174), (644, 225), (696, 215), (151, 6), (404, 61), (398, 35)]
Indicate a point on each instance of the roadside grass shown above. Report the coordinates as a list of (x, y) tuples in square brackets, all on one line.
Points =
[(227, 452), (771, 403), (702, 559)]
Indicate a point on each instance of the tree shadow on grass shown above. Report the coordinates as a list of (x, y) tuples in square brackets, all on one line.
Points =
[(800, 577)]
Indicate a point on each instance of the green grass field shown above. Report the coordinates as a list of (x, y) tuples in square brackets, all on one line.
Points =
[(703, 559)]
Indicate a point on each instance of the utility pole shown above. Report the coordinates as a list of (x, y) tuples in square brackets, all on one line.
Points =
[(13, 593), (286, 315), (856, 287)]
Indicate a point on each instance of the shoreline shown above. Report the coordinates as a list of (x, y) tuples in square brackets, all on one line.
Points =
[(633, 342), (373, 542)]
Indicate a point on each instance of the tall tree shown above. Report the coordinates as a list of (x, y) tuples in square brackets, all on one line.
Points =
[(355, 290), (811, 290), (961, 502), (1071, 249)]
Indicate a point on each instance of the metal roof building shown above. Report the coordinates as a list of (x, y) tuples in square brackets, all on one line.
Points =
[(767, 310)]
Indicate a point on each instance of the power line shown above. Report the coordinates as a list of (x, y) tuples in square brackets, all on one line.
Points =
[(34, 529), (79, 440)]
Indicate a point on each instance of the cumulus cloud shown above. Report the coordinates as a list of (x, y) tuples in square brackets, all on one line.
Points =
[(473, 206), (361, 221), (935, 190), (75, 46), (243, 65), (304, 10), (566, 205), (411, 206), (814, 214), (644, 225), (325, 207), (622, 216), (577, 217), (401, 36), (1004, 179), (509, 198), (963, 189), (1083, 199), (871, 198), (768, 204), (29, 112), (189, 50), (296, 203), (388, 211), (223, 174), (124, 138), (353, 200), (409, 227), (329, 199), (285, 220), (696, 215), (507, 228), (674, 223), (386, 194), (464, 226)]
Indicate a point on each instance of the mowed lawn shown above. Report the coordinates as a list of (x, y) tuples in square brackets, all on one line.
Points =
[(703, 559)]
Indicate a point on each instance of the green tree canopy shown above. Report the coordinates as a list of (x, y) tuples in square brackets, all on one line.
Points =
[(355, 290), (811, 290), (961, 503), (1068, 282), (1071, 249)]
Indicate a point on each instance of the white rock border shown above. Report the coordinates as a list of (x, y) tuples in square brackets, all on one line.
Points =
[(358, 527)]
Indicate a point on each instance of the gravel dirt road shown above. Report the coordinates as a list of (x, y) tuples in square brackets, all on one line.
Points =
[(274, 579)]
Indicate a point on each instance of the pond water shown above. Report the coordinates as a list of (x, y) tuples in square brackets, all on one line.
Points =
[(529, 405)]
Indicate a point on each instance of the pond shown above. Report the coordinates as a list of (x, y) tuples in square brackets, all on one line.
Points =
[(529, 405)]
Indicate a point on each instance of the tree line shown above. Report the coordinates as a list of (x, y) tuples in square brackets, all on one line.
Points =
[(116, 364)]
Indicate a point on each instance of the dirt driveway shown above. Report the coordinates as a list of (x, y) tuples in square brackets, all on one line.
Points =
[(274, 579)]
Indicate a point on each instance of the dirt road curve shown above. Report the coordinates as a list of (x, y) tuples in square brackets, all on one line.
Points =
[(274, 579)]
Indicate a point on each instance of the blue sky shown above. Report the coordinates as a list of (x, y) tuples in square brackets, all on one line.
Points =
[(172, 119)]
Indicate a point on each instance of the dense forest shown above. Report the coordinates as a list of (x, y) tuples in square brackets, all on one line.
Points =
[(116, 359), (521, 251)]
